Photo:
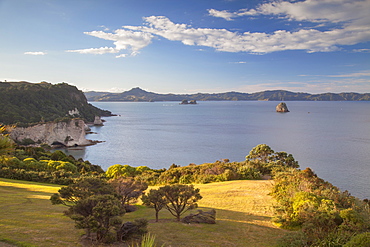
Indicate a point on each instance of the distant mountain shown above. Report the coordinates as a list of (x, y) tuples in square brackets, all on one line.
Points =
[(140, 95), (24, 103)]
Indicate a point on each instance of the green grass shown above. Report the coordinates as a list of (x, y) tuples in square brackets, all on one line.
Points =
[(243, 216), (28, 218)]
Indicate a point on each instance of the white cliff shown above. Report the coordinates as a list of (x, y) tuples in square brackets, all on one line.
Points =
[(70, 133)]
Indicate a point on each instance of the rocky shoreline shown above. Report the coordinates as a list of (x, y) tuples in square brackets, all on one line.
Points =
[(70, 133)]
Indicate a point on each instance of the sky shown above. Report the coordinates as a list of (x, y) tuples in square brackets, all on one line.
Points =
[(188, 46)]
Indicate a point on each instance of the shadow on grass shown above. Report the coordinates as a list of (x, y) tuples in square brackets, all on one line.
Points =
[(231, 229)]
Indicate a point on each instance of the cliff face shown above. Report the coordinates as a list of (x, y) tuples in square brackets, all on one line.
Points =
[(71, 133)]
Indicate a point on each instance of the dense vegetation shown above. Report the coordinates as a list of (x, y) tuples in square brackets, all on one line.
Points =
[(324, 215), (39, 165), (24, 103), (318, 212), (137, 94)]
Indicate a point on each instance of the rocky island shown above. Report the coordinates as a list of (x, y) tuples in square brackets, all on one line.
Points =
[(282, 107), (186, 102)]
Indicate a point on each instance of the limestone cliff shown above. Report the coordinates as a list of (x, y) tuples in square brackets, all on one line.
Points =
[(71, 133)]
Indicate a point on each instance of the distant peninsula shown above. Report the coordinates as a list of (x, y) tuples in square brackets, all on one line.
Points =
[(139, 95)]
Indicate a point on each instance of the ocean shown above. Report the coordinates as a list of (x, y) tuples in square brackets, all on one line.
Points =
[(331, 137)]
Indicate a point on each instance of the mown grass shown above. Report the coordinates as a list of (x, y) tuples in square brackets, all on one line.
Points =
[(243, 213), (27, 218)]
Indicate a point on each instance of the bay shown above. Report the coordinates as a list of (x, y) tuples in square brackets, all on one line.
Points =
[(332, 138)]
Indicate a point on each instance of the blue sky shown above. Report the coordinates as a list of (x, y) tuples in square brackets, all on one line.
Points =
[(173, 46)]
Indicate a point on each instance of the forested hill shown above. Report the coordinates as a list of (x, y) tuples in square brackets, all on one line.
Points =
[(24, 102), (137, 94)]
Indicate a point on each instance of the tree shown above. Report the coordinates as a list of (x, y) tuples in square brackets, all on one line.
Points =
[(128, 189), (97, 214), (82, 189), (154, 199), (282, 158), (93, 205), (6, 144), (180, 198), (260, 153), (263, 158), (116, 171)]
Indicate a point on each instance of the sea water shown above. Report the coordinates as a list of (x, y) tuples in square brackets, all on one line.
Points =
[(332, 138)]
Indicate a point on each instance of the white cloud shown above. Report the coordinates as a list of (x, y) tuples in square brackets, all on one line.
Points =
[(308, 10), (351, 17), (96, 51), (361, 50), (123, 40), (222, 14), (223, 40), (35, 53)]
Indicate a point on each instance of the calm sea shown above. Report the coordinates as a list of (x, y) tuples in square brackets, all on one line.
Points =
[(333, 138)]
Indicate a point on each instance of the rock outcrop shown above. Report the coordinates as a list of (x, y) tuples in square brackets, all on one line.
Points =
[(208, 217), (69, 134), (98, 121), (186, 102), (282, 107)]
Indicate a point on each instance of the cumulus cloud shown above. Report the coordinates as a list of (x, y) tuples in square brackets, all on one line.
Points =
[(123, 39), (311, 40), (351, 19), (222, 14), (308, 10), (35, 53)]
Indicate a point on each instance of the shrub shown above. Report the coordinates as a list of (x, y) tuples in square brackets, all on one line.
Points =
[(362, 239)]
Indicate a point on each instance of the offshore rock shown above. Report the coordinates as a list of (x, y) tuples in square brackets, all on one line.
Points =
[(282, 107), (208, 217), (186, 102), (68, 133), (98, 121)]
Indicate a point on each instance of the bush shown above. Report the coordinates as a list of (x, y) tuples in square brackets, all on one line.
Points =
[(362, 239)]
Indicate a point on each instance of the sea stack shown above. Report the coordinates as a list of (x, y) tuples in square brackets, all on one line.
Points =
[(281, 107), (98, 121)]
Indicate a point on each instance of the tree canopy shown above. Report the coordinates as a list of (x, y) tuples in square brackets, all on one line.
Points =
[(24, 103)]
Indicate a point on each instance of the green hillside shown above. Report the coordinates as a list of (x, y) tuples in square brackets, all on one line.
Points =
[(140, 95), (23, 103)]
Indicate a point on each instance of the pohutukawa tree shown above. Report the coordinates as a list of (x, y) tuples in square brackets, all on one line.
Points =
[(154, 199), (128, 189), (180, 198)]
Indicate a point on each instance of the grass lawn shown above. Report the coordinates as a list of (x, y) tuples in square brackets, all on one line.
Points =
[(27, 218), (243, 213), (243, 216)]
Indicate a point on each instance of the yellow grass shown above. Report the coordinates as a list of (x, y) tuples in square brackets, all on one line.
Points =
[(27, 218), (243, 213)]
